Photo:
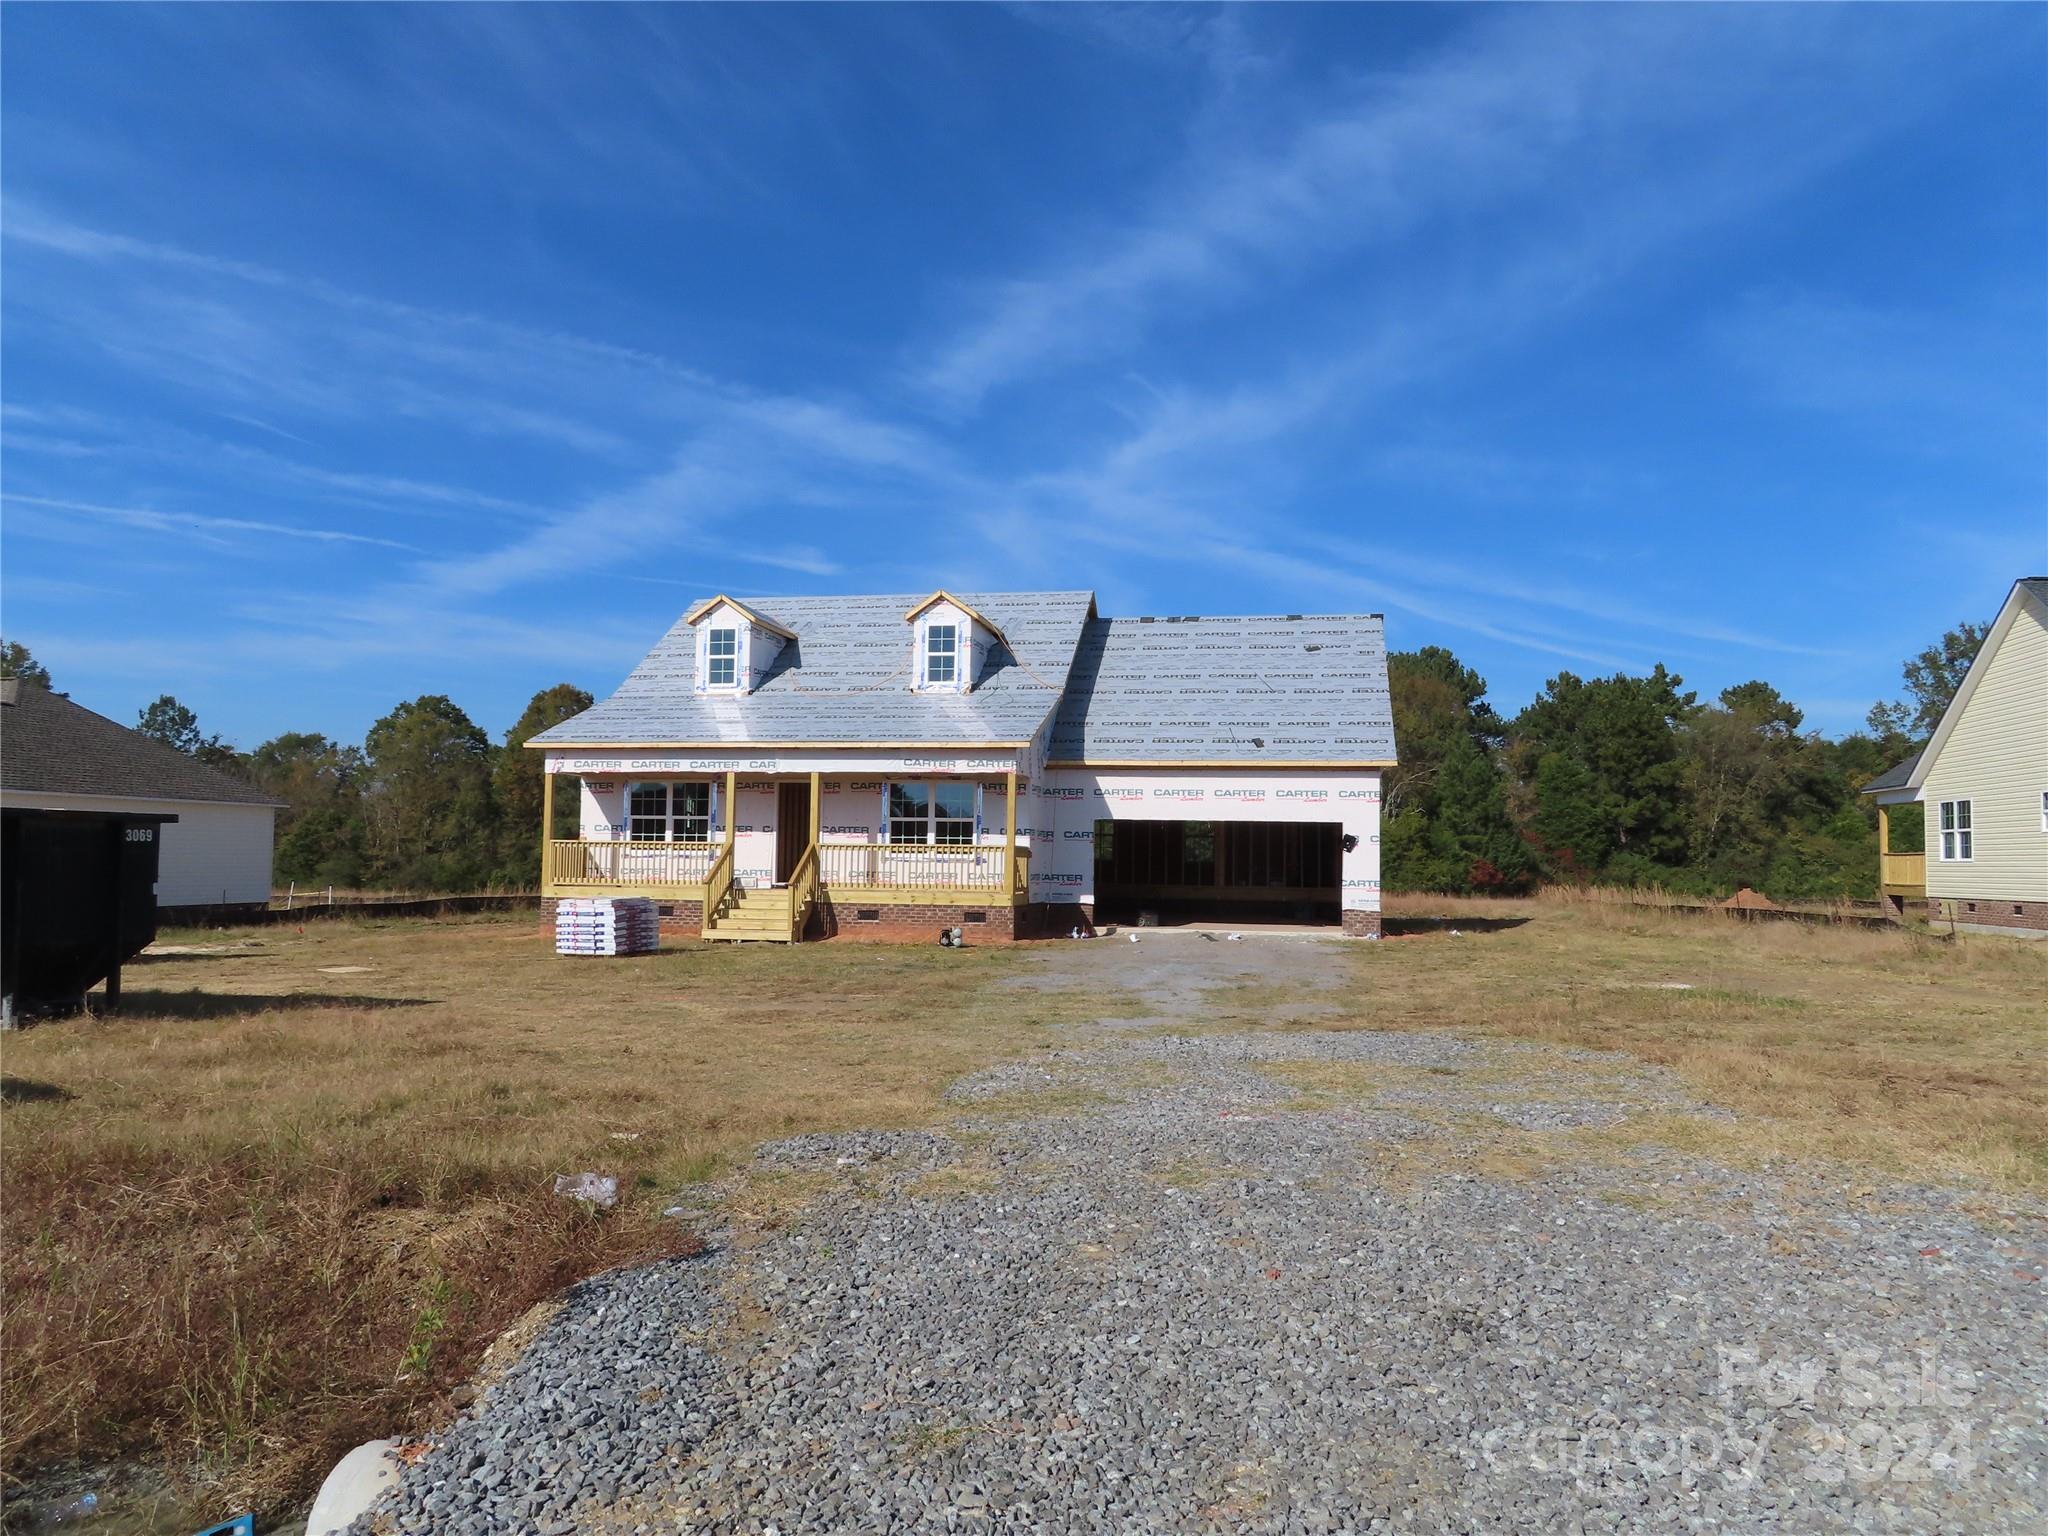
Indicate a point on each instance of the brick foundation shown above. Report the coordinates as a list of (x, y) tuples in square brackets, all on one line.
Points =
[(890, 922), (2022, 916), (883, 922), (1361, 925)]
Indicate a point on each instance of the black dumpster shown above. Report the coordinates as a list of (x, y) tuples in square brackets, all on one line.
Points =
[(77, 898)]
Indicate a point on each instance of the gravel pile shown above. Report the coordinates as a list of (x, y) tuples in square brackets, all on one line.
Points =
[(924, 1149), (1173, 1302)]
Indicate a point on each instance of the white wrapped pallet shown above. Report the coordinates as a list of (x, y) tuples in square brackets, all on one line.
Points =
[(626, 925)]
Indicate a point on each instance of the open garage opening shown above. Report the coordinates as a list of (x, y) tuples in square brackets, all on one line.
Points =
[(1244, 873)]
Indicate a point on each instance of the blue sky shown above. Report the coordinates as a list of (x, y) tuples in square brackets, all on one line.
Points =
[(352, 353)]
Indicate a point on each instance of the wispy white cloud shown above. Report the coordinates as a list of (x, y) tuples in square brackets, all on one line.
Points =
[(1521, 116), (260, 340), (214, 529)]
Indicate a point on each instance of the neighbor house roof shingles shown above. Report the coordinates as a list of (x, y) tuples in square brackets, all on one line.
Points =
[(49, 745), (1895, 777)]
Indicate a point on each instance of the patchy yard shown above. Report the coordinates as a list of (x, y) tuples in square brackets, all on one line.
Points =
[(1185, 1234), (281, 1203)]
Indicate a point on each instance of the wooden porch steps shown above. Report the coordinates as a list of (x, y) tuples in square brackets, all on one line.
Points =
[(760, 917)]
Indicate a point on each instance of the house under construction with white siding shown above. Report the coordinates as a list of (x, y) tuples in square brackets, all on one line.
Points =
[(1010, 763)]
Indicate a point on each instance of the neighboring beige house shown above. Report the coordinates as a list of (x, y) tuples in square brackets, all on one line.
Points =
[(1982, 783)]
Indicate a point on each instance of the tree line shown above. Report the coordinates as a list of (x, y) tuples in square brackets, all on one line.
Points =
[(1616, 780), (1633, 780)]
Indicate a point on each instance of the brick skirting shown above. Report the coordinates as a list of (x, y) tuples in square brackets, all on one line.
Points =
[(1976, 912), (917, 922)]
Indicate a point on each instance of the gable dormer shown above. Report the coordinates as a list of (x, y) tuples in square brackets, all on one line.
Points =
[(951, 644), (735, 645)]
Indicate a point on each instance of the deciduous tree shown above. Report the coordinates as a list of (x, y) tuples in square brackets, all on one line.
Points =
[(16, 661), (517, 782), (1932, 678), (320, 832), (429, 809), (177, 727)]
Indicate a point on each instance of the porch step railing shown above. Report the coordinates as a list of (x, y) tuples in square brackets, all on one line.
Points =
[(909, 866), (803, 891)]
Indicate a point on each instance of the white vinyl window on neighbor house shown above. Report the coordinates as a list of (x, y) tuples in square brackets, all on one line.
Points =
[(722, 658), (1957, 841), (941, 653), (922, 814), (669, 813)]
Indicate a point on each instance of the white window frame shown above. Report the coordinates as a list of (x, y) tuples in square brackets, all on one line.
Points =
[(929, 825), (670, 824), (712, 658), (1957, 831), (934, 656), (2044, 810)]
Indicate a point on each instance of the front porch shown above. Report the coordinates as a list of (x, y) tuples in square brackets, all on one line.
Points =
[(809, 875)]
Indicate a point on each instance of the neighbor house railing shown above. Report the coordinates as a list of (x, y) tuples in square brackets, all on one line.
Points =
[(576, 862), (912, 866), (1902, 871)]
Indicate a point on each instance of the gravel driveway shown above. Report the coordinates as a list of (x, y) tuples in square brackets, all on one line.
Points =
[(1292, 1280)]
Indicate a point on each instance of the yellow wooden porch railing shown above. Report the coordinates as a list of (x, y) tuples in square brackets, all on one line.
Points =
[(1902, 874), (913, 866), (576, 863)]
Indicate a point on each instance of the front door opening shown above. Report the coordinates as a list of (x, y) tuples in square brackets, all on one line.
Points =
[(1241, 872), (792, 827)]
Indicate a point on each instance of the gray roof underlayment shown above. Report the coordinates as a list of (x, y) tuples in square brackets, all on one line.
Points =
[(845, 679), (1293, 689), (49, 745), (1298, 689)]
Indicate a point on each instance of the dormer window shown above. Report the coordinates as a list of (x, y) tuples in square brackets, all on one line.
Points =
[(951, 644), (736, 645), (942, 654), (722, 658)]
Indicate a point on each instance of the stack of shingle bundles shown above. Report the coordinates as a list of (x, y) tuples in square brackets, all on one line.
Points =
[(626, 925)]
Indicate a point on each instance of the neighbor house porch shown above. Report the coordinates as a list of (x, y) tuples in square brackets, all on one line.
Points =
[(774, 856), (1901, 877)]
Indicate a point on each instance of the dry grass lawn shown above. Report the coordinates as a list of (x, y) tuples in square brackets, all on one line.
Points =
[(1903, 1052), (288, 1197), (284, 1200)]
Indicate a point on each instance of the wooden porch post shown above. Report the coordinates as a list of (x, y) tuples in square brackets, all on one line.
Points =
[(547, 828), (1010, 828), (817, 805), (1884, 846), (732, 806)]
